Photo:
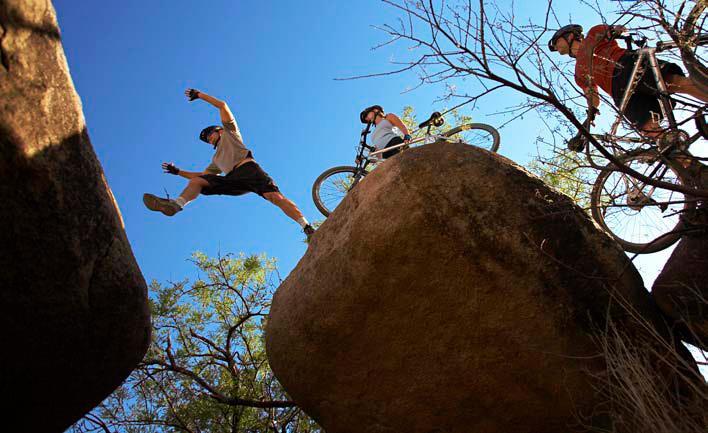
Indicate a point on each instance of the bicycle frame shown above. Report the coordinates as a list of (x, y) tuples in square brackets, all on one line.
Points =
[(367, 159), (648, 53), (666, 109), (427, 139), (644, 54)]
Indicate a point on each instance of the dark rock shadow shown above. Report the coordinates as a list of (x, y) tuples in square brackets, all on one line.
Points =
[(73, 302)]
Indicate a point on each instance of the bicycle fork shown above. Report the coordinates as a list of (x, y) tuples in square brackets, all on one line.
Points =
[(637, 199)]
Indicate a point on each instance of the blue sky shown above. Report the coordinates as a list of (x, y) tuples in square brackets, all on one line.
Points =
[(275, 64)]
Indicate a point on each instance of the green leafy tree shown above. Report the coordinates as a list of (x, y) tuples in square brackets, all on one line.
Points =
[(206, 369), (565, 172)]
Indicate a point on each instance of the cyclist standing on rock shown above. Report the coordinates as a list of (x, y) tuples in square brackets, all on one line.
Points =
[(601, 62), (383, 136), (243, 174)]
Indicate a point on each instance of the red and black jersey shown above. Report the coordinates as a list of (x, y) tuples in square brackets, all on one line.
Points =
[(606, 52)]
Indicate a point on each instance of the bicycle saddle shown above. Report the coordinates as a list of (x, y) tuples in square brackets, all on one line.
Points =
[(436, 119)]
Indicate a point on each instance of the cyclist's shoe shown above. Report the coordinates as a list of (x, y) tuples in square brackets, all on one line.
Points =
[(577, 143), (309, 231), (166, 206)]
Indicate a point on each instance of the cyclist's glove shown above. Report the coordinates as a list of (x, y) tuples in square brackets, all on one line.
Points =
[(192, 94), (577, 143), (407, 137), (615, 31), (170, 168)]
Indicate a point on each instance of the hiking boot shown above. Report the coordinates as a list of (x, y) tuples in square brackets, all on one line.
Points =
[(309, 231), (166, 206)]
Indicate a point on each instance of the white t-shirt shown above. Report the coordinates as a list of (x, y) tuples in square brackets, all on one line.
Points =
[(383, 134), (229, 151)]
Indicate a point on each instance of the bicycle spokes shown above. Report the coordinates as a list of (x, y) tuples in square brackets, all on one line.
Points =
[(333, 185), (476, 134), (336, 187), (642, 217), (475, 137)]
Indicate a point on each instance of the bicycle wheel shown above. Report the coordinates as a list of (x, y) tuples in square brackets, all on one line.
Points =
[(331, 186), (476, 134), (642, 218)]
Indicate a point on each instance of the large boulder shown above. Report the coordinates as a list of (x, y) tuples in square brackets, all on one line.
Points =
[(681, 289), (451, 291), (74, 317)]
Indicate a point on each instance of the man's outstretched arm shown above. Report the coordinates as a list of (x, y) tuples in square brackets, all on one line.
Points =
[(224, 110), (170, 168)]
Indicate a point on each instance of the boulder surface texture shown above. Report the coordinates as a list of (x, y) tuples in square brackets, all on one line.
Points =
[(451, 291), (74, 317), (681, 289)]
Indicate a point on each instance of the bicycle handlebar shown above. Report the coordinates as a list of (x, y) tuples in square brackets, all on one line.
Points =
[(365, 131), (701, 39), (629, 39), (641, 41)]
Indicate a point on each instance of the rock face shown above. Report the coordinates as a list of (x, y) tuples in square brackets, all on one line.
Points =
[(681, 289), (74, 314), (453, 292)]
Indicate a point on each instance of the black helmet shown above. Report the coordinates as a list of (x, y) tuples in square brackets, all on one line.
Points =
[(204, 135), (367, 110), (575, 29)]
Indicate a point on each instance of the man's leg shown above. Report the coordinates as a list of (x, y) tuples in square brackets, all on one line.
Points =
[(287, 206), (290, 210), (170, 207), (256, 180), (192, 191), (681, 84)]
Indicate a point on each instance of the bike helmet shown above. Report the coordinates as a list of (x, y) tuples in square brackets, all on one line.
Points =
[(204, 135), (367, 110), (575, 29)]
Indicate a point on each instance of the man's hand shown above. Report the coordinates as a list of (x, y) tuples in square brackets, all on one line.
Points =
[(590, 120), (191, 94), (170, 168), (224, 110), (616, 31), (407, 139)]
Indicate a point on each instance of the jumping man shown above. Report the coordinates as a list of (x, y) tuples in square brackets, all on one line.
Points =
[(243, 174)]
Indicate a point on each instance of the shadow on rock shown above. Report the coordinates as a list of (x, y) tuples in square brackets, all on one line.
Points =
[(74, 318)]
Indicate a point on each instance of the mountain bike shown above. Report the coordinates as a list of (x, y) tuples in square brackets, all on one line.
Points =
[(641, 217), (333, 185)]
